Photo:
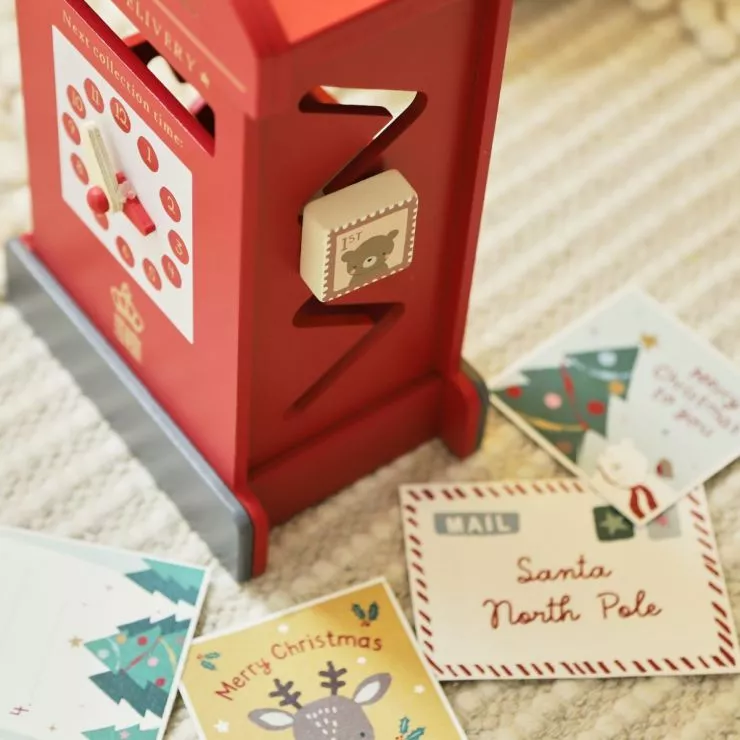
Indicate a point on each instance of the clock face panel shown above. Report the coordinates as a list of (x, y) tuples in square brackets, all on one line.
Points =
[(162, 262)]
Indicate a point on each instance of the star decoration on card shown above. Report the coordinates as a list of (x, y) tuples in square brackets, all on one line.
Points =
[(612, 523), (649, 341), (221, 726), (76, 642), (205, 79), (419, 689), (283, 629)]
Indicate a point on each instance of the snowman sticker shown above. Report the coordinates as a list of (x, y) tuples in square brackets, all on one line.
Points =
[(622, 474)]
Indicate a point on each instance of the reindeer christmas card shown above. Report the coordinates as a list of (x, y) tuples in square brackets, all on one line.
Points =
[(630, 399), (345, 666), (556, 584), (92, 639)]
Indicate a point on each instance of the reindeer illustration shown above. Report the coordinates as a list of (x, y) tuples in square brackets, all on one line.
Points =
[(331, 718)]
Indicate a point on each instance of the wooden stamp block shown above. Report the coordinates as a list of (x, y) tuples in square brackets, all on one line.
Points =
[(358, 235)]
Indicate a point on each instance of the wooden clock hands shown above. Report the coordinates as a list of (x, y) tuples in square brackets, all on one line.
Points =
[(115, 193)]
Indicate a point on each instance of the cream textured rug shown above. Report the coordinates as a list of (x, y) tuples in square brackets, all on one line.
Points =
[(713, 24), (617, 157)]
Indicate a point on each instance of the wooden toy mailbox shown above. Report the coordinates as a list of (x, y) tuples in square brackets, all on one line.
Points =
[(264, 290)]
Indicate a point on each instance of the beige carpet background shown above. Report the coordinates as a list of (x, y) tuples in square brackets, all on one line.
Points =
[(617, 158), (713, 24)]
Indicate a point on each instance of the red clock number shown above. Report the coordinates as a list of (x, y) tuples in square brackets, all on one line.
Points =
[(152, 275), (170, 269), (80, 169), (120, 115), (125, 251), (146, 150), (179, 248), (170, 204), (76, 101), (71, 128), (94, 96)]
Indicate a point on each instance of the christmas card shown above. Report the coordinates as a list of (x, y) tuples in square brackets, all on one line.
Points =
[(345, 666), (92, 639), (556, 584), (630, 399)]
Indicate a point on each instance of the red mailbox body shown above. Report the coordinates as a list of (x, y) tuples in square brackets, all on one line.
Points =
[(286, 398)]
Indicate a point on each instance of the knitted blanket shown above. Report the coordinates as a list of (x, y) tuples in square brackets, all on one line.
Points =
[(615, 158), (714, 24)]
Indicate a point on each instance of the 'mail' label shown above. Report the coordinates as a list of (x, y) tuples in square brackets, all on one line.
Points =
[(476, 524)]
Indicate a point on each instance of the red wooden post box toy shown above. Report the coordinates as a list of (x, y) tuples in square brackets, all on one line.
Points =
[(265, 288)]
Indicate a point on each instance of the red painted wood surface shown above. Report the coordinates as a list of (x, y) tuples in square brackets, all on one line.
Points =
[(289, 399)]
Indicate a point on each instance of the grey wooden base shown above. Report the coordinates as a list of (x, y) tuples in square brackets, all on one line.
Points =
[(152, 437)]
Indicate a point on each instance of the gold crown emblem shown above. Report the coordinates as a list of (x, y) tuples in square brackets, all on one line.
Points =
[(124, 303)]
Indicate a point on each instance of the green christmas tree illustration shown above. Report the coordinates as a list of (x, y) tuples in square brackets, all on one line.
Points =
[(129, 733), (142, 659), (175, 582), (563, 403)]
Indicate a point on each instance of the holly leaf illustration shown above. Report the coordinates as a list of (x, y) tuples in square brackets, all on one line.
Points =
[(213, 656), (374, 612), (208, 665), (416, 734), (359, 612), (405, 724)]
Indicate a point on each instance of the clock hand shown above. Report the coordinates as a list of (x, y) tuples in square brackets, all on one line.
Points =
[(133, 208), (101, 163), (114, 192)]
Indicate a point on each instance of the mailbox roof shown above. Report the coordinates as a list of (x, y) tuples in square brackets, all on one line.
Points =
[(300, 20)]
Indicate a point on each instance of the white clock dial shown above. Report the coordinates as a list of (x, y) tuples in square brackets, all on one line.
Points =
[(162, 262)]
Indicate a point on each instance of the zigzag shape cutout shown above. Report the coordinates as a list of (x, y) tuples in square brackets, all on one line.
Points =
[(403, 108)]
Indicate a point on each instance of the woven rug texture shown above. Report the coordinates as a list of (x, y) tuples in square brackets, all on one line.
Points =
[(617, 158)]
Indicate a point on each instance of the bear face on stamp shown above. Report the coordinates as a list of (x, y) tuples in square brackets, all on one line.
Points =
[(359, 235), (370, 260)]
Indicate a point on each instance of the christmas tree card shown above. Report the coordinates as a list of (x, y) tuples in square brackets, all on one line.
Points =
[(557, 584), (92, 639), (345, 666), (630, 399)]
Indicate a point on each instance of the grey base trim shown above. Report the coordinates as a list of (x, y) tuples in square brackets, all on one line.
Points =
[(178, 468)]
